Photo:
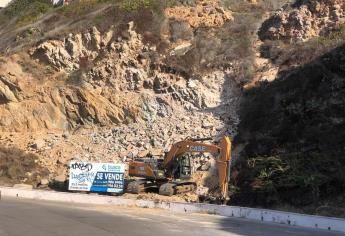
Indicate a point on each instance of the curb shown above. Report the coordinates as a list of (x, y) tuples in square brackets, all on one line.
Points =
[(269, 216)]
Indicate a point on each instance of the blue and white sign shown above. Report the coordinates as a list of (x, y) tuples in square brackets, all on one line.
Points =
[(96, 177)]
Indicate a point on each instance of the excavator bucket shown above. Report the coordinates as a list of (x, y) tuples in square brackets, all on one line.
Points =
[(223, 165)]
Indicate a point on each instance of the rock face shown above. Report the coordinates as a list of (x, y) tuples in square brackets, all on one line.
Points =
[(108, 93), (117, 82), (74, 51), (111, 79), (303, 20), (58, 109), (203, 14), (8, 91)]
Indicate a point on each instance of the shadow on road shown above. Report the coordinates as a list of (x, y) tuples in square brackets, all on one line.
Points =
[(236, 226)]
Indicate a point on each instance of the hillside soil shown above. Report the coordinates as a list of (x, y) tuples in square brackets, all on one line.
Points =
[(109, 81)]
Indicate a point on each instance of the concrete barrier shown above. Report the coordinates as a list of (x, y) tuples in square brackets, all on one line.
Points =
[(263, 215)]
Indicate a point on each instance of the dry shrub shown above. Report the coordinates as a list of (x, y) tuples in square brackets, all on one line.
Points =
[(17, 166)]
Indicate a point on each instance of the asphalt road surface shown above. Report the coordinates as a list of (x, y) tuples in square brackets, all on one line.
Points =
[(36, 218)]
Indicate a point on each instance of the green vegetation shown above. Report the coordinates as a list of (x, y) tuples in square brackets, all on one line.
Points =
[(299, 53), (26, 11), (293, 129), (335, 38), (240, 6), (154, 5), (135, 5), (297, 179), (80, 7)]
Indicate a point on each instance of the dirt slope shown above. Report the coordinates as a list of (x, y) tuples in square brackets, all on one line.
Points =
[(112, 80), (111, 92)]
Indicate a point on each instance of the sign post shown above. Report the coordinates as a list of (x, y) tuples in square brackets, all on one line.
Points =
[(96, 177)]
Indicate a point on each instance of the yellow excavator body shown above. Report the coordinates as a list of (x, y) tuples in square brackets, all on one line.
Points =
[(172, 174)]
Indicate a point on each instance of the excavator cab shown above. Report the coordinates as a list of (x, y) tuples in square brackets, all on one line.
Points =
[(180, 168), (185, 167)]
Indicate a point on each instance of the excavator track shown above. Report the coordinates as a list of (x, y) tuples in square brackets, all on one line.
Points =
[(139, 186), (169, 189)]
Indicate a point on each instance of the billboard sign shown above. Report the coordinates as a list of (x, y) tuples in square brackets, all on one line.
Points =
[(96, 177)]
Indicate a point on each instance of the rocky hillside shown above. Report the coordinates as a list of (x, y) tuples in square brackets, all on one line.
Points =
[(303, 20), (291, 129), (105, 80), (111, 92)]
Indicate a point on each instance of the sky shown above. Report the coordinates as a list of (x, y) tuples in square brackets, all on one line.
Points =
[(3, 3)]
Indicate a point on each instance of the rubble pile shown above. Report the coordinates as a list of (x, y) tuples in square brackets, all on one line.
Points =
[(203, 13), (303, 20), (152, 104)]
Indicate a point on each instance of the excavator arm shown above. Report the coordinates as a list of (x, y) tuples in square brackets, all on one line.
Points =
[(224, 165), (188, 146)]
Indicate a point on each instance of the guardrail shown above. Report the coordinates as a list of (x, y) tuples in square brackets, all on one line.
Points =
[(263, 215)]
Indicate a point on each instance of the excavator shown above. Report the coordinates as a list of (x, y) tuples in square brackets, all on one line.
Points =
[(172, 175)]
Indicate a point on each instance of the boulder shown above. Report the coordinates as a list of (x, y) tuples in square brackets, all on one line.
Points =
[(181, 49), (142, 154), (65, 135), (44, 182), (202, 191), (8, 91), (38, 144), (303, 20), (157, 152), (205, 167), (207, 124), (60, 178)]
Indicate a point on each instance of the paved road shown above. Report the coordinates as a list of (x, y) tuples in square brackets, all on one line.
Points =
[(21, 217)]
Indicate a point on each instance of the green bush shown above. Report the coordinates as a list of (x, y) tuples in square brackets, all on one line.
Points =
[(79, 7), (335, 38), (136, 5), (293, 131), (284, 176), (27, 11)]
